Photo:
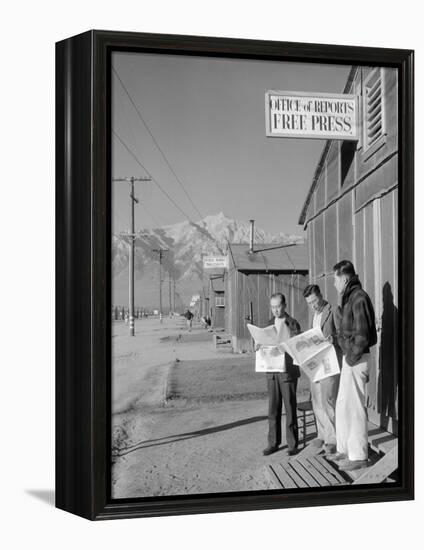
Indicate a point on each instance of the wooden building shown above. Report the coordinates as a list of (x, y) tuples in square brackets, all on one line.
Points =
[(250, 281), (351, 213), (217, 301)]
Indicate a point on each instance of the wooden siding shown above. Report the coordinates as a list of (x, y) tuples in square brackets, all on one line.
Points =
[(345, 227), (352, 215), (319, 247), (387, 380), (333, 171), (246, 293), (330, 238), (320, 193), (378, 182)]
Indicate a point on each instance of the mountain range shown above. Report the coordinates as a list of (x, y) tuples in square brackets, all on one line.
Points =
[(185, 243)]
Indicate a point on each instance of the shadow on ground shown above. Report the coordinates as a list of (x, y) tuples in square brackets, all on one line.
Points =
[(188, 435)]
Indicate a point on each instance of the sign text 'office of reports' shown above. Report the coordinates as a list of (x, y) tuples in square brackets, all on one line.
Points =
[(307, 115)]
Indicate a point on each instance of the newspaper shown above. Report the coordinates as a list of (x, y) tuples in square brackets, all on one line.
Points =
[(315, 355), (270, 356), (264, 336)]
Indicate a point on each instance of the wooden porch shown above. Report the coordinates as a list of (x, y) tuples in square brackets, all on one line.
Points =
[(310, 468)]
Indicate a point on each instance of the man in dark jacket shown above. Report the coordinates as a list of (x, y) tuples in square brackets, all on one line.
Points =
[(189, 318), (324, 392), (282, 385), (356, 331)]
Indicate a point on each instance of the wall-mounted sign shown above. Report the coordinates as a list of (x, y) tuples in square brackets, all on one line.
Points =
[(215, 262), (311, 115)]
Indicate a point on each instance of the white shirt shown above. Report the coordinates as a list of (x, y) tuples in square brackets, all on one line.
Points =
[(284, 335), (316, 321)]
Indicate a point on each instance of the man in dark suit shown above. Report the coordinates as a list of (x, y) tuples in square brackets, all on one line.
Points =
[(282, 385)]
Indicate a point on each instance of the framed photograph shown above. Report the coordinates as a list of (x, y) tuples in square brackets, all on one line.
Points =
[(235, 286)]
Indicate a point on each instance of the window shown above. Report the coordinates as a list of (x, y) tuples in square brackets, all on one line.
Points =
[(220, 301), (347, 156), (373, 108)]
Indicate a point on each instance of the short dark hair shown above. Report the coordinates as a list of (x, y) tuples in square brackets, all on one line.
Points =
[(345, 267), (279, 295), (312, 289)]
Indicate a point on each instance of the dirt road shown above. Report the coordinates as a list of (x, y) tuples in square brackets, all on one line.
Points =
[(208, 438)]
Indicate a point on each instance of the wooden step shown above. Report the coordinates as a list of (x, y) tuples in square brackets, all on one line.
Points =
[(380, 440), (304, 471), (381, 469), (309, 468)]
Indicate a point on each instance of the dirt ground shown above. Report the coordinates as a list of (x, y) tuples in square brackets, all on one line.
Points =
[(187, 419)]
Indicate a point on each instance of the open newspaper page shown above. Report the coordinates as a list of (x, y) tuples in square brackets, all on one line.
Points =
[(269, 358), (315, 355), (322, 365)]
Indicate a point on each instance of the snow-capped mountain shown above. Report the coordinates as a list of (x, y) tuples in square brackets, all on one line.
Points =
[(185, 242)]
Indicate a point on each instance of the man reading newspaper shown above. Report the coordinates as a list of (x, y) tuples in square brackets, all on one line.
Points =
[(324, 392), (282, 375), (279, 350)]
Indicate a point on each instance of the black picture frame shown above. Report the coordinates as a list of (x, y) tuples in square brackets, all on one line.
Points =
[(83, 282)]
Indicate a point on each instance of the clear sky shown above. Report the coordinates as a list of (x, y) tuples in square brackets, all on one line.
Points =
[(208, 116)]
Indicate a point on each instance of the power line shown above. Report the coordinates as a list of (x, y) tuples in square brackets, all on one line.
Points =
[(150, 175), (154, 218), (291, 261), (155, 141)]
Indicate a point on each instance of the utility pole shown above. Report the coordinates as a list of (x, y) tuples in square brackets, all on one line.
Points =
[(173, 309), (131, 180), (160, 251), (170, 302)]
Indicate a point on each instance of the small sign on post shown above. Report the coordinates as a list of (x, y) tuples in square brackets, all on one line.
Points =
[(215, 262), (311, 115)]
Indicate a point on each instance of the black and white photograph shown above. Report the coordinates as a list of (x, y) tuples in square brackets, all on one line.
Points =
[(254, 256), (211, 262)]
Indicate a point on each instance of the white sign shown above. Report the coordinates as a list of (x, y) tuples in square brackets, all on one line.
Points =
[(215, 262), (311, 115)]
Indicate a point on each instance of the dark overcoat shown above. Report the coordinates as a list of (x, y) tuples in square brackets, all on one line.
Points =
[(355, 322)]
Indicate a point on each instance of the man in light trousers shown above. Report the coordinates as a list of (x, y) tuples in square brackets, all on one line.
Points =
[(324, 392), (355, 322)]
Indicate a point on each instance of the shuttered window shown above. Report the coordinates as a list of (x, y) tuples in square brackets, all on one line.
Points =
[(373, 108), (220, 301)]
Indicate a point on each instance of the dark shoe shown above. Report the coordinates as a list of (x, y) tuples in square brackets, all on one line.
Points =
[(269, 450), (292, 452), (350, 465), (317, 442), (330, 449)]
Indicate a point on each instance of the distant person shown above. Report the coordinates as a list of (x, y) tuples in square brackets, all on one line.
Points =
[(355, 321), (282, 385), (206, 321), (189, 318), (324, 392)]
